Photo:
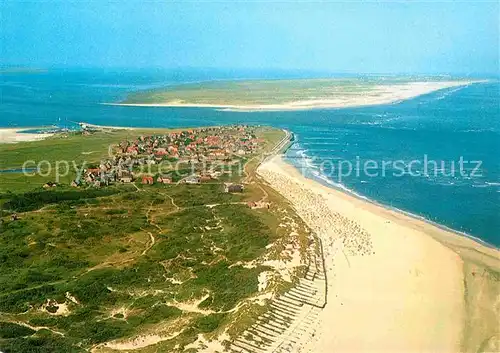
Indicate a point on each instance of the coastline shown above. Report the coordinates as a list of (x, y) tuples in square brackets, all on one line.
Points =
[(382, 94), (414, 216), (10, 135), (428, 273), (15, 135)]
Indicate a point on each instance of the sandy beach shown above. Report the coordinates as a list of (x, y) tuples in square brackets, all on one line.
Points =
[(15, 135), (381, 94), (9, 135), (395, 283)]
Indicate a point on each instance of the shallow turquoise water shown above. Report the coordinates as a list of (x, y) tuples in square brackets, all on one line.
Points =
[(444, 126)]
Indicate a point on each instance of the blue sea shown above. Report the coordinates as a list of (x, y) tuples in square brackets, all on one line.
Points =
[(440, 151)]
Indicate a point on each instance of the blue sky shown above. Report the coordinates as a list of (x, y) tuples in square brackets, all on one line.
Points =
[(369, 37)]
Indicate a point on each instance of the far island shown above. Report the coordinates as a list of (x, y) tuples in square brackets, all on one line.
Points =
[(294, 94)]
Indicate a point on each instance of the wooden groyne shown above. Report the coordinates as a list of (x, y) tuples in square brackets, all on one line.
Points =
[(293, 314)]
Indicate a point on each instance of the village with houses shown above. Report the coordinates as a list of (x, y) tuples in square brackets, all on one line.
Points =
[(191, 156)]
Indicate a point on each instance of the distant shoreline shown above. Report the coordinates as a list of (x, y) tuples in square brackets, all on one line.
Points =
[(382, 94), (14, 135), (24, 134), (280, 154), (398, 210)]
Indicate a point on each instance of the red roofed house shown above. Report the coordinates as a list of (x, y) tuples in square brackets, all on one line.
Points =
[(205, 177), (132, 150), (95, 171), (164, 180), (161, 151), (147, 180)]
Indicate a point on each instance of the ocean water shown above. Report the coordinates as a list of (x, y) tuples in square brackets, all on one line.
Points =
[(405, 155)]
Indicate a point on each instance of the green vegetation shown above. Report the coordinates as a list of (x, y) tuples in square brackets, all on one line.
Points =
[(43, 342), (210, 322), (10, 330), (250, 92), (34, 200), (84, 267), (255, 92)]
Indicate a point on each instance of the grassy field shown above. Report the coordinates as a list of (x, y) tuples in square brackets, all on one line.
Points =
[(251, 92), (89, 269), (73, 147), (255, 92)]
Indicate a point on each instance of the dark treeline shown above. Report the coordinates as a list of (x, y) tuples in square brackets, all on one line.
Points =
[(36, 199)]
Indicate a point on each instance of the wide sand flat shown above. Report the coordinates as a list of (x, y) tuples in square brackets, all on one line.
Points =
[(392, 287), (14, 135)]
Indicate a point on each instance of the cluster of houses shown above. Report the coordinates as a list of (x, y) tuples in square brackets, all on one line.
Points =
[(216, 143), (197, 147)]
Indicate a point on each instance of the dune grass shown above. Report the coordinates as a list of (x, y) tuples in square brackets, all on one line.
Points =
[(118, 259)]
